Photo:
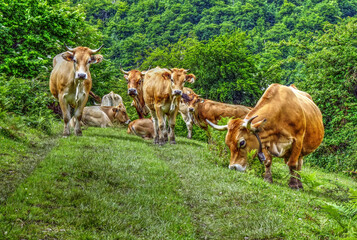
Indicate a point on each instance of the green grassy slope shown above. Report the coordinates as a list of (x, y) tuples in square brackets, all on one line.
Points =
[(111, 185)]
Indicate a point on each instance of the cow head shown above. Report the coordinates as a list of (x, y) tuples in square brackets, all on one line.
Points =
[(178, 77), (135, 79), (82, 57), (191, 101), (120, 114), (111, 99), (241, 138)]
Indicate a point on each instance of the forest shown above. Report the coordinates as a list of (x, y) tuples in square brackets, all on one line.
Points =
[(236, 49)]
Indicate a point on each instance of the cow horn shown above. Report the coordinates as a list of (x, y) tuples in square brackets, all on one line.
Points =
[(96, 50), (186, 70), (217, 127), (249, 123), (68, 48), (123, 71)]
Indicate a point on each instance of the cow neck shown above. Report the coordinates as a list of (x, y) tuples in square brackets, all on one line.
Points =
[(79, 89), (198, 114), (140, 102)]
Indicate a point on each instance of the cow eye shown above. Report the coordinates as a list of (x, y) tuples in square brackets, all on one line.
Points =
[(242, 143), (139, 81)]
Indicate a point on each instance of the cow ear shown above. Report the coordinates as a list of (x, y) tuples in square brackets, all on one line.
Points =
[(68, 56), (126, 76), (166, 75), (259, 125), (190, 78), (96, 59)]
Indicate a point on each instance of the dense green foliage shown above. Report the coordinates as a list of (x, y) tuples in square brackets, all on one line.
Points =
[(235, 48)]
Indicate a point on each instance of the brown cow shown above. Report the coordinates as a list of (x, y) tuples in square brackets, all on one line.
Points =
[(203, 109), (135, 90), (103, 116), (285, 123), (142, 127), (70, 82), (162, 93)]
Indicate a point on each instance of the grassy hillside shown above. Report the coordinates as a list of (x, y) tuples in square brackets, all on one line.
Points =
[(111, 185)]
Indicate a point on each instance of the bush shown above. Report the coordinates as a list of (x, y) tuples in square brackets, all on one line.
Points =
[(27, 99)]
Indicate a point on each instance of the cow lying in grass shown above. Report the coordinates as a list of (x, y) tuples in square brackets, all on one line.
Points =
[(103, 116), (142, 127)]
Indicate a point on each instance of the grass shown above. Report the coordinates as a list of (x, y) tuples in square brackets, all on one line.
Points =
[(111, 185)]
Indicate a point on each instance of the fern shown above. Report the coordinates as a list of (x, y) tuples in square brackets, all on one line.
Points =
[(345, 215)]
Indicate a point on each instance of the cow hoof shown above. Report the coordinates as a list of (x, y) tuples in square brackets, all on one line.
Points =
[(173, 142), (79, 133), (66, 134), (295, 183), (268, 179), (162, 142)]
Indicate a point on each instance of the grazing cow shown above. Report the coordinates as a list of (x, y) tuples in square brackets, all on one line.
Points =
[(142, 127), (203, 109), (103, 116), (135, 90), (111, 99), (70, 82), (162, 90), (285, 123), (185, 113)]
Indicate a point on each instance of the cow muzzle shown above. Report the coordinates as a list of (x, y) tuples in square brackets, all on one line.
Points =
[(177, 92), (81, 75), (128, 121), (237, 167), (132, 92), (191, 109)]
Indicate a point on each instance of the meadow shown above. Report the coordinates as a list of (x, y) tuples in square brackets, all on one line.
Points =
[(111, 185)]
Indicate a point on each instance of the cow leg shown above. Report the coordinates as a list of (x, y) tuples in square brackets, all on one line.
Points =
[(294, 166), (267, 176), (166, 130), (299, 169), (78, 116), (156, 126), (161, 123), (66, 112), (172, 123), (189, 123)]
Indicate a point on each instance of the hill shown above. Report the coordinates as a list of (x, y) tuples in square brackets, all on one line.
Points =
[(111, 185)]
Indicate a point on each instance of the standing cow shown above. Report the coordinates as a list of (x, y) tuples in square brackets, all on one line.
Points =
[(162, 94), (285, 123), (135, 90), (185, 113), (204, 109), (70, 82)]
